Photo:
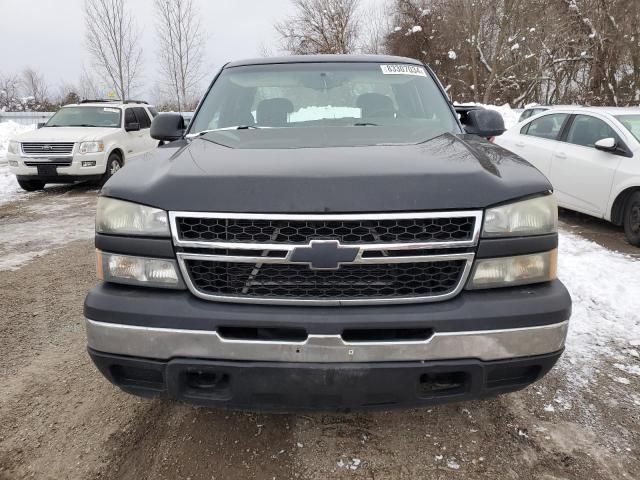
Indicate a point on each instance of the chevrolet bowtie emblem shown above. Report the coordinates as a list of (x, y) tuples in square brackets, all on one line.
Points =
[(324, 255)]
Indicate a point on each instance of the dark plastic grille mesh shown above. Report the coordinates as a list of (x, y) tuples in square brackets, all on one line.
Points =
[(355, 281), (301, 232)]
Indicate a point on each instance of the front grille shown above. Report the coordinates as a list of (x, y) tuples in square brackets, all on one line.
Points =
[(47, 148), (313, 260), (418, 230), (351, 282), (60, 162)]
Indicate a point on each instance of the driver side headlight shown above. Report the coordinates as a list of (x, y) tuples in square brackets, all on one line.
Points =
[(117, 217), (535, 216), (13, 148)]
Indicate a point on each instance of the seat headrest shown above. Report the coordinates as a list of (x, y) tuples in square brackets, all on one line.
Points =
[(375, 105), (274, 112)]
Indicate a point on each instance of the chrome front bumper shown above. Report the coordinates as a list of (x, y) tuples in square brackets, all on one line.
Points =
[(165, 344)]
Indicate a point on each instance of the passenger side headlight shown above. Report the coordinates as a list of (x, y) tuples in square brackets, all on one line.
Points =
[(147, 272), (91, 147), (13, 148), (513, 271), (117, 217), (536, 216)]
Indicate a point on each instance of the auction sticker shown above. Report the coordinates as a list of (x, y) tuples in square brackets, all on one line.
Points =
[(403, 69)]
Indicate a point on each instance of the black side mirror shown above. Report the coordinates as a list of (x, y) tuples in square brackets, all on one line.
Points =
[(41, 124), (484, 123), (132, 127), (167, 127)]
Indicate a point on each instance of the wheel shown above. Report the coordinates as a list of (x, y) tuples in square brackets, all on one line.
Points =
[(31, 185), (632, 219), (113, 165)]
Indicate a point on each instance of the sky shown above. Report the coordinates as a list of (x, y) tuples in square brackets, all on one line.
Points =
[(49, 35)]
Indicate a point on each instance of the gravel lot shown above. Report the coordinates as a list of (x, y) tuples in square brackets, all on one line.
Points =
[(60, 419)]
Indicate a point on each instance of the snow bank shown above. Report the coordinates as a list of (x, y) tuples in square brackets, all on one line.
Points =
[(8, 130), (8, 186), (605, 288), (509, 115)]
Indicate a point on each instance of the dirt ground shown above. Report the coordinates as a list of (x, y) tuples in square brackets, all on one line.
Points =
[(59, 419)]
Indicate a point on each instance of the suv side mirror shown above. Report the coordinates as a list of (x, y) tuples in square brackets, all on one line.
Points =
[(167, 127), (484, 123), (40, 125), (606, 144), (132, 127)]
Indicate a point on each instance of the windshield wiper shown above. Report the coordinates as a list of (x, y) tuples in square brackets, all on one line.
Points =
[(236, 127), (80, 125), (365, 124)]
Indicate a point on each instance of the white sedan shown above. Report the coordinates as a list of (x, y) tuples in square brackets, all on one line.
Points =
[(592, 158)]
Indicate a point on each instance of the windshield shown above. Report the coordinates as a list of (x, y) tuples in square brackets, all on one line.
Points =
[(323, 104), (631, 123), (86, 117)]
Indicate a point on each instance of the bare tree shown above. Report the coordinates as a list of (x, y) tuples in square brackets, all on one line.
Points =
[(321, 26), (34, 86), (378, 27), (181, 51), (112, 40), (9, 92), (89, 87)]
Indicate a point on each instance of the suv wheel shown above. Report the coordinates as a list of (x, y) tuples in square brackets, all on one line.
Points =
[(113, 165), (632, 219), (31, 185)]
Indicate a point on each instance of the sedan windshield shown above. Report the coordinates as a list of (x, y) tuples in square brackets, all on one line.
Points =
[(104, 117), (631, 123), (322, 105)]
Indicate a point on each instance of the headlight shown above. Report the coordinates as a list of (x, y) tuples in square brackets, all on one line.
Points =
[(117, 217), (13, 148), (512, 271), (149, 272), (536, 216), (91, 147)]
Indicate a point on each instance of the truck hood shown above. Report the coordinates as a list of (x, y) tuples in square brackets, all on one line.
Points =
[(447, 172), (65, 134)]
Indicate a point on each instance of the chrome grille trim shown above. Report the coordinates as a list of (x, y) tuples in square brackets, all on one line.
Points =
[(259, 253), (477, 215), (58, 162), (39, 149)]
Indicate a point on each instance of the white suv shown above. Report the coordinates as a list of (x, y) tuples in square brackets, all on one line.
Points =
[(87, 141)]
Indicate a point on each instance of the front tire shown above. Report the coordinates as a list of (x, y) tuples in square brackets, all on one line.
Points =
[(31, 185), (114, 163), (632, 219)]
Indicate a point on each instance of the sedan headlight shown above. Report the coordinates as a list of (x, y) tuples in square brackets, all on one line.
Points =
[(91, 147), (513, 271), (148, 272), (14, 148), (117, 217), (536, 216)]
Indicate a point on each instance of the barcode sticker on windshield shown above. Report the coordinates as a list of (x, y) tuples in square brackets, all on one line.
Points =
[(403, 69), (112, 110)]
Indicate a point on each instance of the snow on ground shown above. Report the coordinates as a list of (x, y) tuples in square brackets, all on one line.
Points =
[(56, 219), (605, 324), (9, 188)]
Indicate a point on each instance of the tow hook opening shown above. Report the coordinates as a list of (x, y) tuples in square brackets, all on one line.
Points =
[(212, 384), (440, 384)]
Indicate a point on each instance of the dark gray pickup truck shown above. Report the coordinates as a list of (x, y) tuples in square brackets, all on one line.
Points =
[(328, 233)]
